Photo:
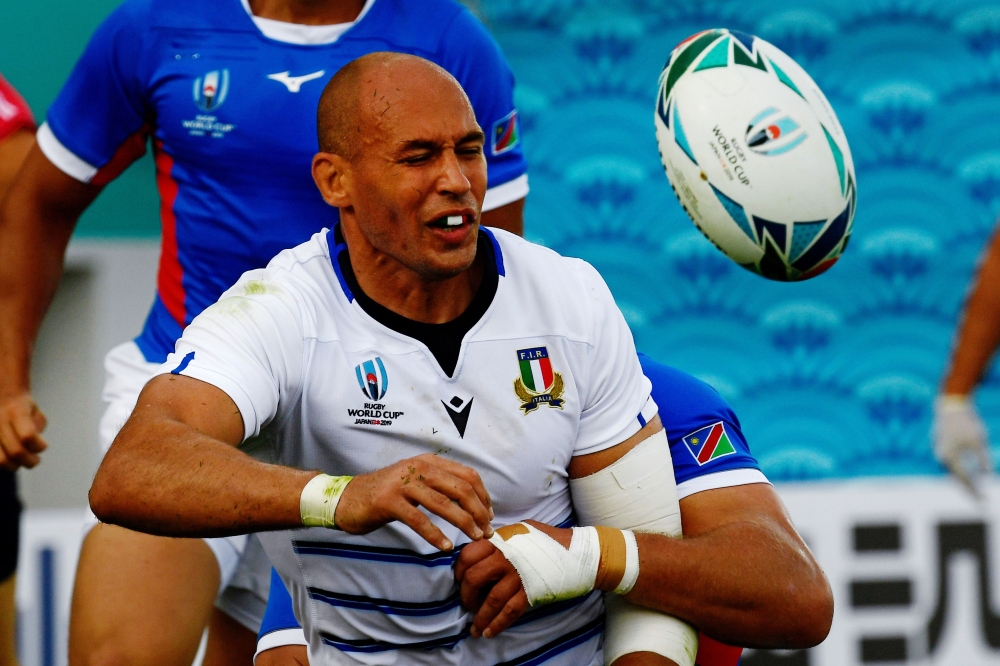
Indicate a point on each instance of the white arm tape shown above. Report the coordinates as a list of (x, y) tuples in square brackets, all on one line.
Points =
[(548, 571), (637, 492), (319, 499)]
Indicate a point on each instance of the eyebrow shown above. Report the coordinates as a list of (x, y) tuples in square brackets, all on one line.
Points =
[(424, 144)]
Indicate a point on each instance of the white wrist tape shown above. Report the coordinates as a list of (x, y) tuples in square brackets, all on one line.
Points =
[(548, 571), (319, 499), (631, 564), (637, 492)]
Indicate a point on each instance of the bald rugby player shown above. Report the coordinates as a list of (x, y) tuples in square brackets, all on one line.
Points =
[(496, 376), (226, 94)]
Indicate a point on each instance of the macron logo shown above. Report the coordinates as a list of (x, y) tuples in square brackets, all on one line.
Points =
[(293, 83)]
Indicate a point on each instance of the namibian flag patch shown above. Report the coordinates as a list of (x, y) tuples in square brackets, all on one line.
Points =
[(505, 133), (709, 443)]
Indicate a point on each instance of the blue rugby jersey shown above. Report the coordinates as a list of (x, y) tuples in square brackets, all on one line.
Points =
[(232, 117), (687, 405), (707, 446)]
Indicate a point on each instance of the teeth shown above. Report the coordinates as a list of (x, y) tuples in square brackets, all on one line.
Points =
[(454, 221)]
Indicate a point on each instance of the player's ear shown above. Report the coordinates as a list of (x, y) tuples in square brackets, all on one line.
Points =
[(333, 176)]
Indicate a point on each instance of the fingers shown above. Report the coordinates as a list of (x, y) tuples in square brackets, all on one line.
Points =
[(417, 521), (465, 473), (14, 452), (472, 554), (470, 514), (441, 505), (478, 578), (27, 429), (503, 605)]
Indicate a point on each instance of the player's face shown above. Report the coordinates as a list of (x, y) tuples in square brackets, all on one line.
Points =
[(421, 177)]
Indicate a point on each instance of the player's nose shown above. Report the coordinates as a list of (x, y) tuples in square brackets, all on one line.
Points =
[(452, 178)]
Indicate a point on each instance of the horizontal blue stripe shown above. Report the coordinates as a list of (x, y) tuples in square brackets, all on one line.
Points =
[(387, 606), (559, 645), (441, 558), (368, 645)]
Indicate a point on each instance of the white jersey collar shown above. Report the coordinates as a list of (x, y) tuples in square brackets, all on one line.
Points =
[(297, 33)]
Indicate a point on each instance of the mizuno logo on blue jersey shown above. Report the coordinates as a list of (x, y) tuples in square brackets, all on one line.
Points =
[(293, 83)]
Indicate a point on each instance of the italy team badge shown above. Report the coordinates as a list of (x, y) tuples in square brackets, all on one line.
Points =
[(538, 384), (709, 443)]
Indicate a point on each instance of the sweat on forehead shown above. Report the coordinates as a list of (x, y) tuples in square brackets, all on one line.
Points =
[(352, 99)]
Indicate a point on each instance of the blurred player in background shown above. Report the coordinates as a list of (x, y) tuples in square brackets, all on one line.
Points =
[(17, 135), (227, 93), (960, 440)]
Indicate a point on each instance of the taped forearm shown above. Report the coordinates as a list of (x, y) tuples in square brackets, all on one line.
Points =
[(638, 492)]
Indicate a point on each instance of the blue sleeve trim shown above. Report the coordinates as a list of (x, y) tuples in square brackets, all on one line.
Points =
[(279, 614), (183, 364)]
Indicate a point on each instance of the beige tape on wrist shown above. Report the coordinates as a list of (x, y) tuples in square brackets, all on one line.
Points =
[(319, 500), (619, 566)]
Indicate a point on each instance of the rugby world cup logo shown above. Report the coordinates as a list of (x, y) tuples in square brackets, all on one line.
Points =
[(372, 379), (773, 132), (211, 89)]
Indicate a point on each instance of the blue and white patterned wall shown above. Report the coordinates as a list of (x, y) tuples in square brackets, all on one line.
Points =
[(834, 377)]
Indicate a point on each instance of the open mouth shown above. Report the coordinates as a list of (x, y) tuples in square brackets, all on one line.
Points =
[(449, 222)]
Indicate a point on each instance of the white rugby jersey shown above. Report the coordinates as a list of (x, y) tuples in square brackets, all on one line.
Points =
[(549, 372)]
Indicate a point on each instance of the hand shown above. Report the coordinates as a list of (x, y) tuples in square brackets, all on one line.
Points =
[(443, 487), (490, 586), (21, 426), (960, 439)]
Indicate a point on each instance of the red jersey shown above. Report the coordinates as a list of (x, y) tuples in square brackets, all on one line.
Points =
[(14, 111), (714, 653)]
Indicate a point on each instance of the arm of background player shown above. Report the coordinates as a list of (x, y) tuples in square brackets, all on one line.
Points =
[(36, 221), (509, 217), (979, 331)]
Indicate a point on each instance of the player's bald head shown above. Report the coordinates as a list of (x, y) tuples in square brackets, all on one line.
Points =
[(362, 95)]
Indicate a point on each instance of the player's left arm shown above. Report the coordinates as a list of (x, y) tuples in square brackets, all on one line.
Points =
[(474, 58)]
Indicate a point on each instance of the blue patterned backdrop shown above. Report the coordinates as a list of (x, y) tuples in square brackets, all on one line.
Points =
[(834, 377)]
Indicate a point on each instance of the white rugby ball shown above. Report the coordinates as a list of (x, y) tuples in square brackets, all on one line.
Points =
[(755, 154)]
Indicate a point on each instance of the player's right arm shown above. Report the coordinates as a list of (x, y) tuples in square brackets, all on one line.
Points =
[(94, 130), (175, 469), (958, 431)]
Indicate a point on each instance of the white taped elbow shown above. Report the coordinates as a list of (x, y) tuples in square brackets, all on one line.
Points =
[(638, 492)]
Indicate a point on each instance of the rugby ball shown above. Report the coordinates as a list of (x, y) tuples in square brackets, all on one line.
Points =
[(755, 154)]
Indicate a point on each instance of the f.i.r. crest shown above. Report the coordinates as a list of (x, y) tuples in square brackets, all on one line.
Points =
[(537, 384)]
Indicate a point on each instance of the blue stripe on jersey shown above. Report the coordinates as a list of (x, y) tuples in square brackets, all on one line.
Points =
[(183, 364), (335, 250), (496, 250), (559, 645), (642, 421), (387, 606), (441, 558), (369, 645)]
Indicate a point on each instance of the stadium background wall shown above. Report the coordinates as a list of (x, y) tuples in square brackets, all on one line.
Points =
[(833, 378)]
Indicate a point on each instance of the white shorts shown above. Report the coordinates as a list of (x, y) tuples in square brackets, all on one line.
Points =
[(126, 373)]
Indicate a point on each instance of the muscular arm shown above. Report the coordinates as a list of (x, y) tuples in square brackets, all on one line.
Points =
[(741, 573), (36, 221), (509, 218), (174, 470), (979, 331), (178, 451)]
